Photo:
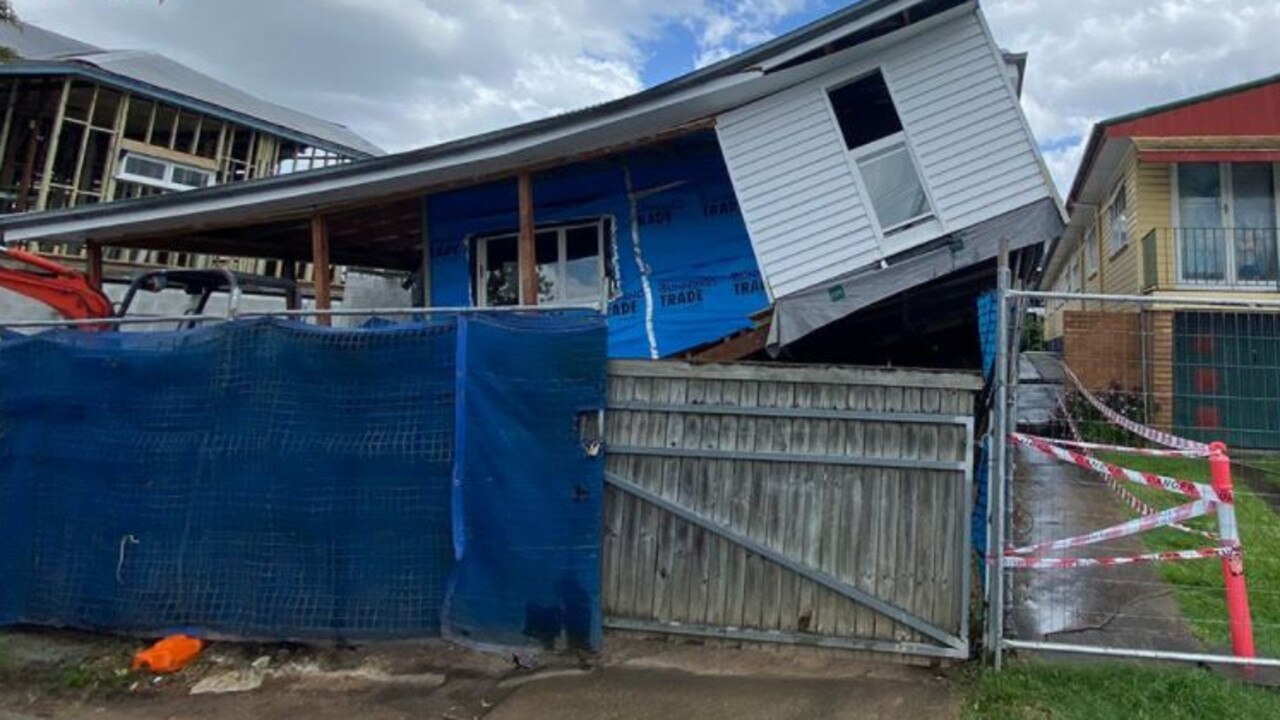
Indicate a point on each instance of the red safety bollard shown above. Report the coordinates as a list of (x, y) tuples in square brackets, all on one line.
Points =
[(1233, 560)]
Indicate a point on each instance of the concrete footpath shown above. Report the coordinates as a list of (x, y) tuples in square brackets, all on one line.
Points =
[(46, 674), (623, 694)]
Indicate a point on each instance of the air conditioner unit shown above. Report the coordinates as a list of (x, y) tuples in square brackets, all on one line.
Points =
[(167, 174)]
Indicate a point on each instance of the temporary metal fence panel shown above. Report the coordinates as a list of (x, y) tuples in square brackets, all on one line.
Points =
[(271, 479), (1101, 554), (819, 506)]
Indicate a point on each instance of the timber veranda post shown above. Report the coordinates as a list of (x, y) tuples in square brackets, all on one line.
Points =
[(93, 264), (320, 266), (999, 457), (526, 257)]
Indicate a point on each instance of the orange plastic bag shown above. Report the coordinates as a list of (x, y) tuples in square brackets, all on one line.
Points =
[(169, 655)]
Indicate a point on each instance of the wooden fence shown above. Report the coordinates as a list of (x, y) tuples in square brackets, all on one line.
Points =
[(809, 505)]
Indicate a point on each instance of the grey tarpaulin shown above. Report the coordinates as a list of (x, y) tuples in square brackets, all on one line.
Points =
[(799, 314)]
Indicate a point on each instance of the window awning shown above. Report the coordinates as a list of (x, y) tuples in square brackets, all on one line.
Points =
[(1206, 155)]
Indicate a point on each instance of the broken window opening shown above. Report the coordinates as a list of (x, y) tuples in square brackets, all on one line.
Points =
[(873, 135)]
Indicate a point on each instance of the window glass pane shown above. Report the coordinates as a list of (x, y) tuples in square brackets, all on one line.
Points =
[(1252, 184), (865, 111), (582, 264), (189, 177), (1255, 205), (1202, 242), (547, 253), (501, 279), (1199, 195), (144, 167), (895, 189)]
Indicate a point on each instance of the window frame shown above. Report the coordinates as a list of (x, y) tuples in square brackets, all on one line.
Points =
[(1226, 178), (167, 182), (1092, 252), (901, 235), (480, 246), (1121, 193)]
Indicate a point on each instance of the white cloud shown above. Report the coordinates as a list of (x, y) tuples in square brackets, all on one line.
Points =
[(1094, 59), (407, 73), (726, 27)]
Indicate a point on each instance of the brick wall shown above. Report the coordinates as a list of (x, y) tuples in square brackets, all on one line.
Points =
[(1104, 348), (1158, 336)]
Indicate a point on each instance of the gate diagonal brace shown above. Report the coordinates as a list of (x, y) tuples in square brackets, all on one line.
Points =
[(832, 583)]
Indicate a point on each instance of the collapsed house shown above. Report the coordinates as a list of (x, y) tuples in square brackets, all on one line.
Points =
[(838, 193)]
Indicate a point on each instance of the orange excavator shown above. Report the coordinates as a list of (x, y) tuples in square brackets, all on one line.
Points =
[(58, 286), (69, 293)]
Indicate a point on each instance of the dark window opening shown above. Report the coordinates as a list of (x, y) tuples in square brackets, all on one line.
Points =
[(865, 111)]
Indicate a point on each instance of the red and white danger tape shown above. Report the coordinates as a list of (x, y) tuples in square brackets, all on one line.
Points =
[(1133, 502), (1159, 437), (1162, 482), (1178, 514), (1125, 449), (1035, 563)]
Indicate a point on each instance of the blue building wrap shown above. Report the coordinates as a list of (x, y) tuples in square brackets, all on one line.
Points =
[(679, 251), (273, 480)]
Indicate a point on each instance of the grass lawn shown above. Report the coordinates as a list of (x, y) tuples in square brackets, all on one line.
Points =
[(1198, 583), (1046, 691)]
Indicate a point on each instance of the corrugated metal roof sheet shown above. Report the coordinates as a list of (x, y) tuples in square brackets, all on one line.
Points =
[(36, 44)]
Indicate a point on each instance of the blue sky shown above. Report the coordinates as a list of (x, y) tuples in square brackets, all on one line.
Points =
[(673, 53)]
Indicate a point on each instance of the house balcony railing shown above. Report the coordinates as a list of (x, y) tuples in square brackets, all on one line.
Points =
[(1234, 259)]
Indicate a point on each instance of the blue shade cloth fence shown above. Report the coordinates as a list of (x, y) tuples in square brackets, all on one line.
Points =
[(268, 479)]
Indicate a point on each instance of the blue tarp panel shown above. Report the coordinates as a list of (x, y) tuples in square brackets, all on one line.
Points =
[(255, 479), (987, 318), (527, 497), (684, 268)]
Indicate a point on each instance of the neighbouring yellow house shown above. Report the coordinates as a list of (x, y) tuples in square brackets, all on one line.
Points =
[(1179, 201)]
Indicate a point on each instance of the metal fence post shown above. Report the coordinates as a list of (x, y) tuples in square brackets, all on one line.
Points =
[(996, 492)]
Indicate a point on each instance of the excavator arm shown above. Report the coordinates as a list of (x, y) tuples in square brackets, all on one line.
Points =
[(59, 287)]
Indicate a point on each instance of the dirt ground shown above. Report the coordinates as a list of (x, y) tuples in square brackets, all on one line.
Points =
[(48, 674)]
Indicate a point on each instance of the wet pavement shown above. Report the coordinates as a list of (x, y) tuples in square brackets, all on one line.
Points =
[(1039, 383), (1128, 606)]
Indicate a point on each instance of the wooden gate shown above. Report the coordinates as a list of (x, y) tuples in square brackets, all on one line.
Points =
[(808, 505)]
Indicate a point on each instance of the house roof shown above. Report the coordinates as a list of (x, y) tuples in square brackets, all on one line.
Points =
[(1132, 124), (47, 53), (785, 61), (1218, 124)]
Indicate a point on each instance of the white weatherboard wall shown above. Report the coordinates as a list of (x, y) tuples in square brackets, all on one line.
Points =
[(798, 189)]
